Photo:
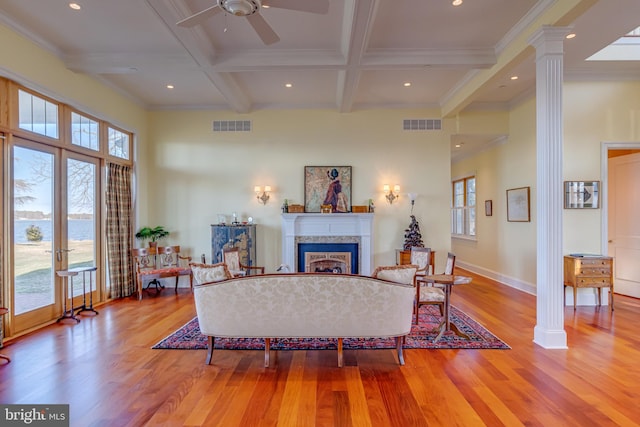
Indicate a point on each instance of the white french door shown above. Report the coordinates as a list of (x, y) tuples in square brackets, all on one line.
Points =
[(54, 218)]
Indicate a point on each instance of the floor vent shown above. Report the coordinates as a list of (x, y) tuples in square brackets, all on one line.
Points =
[(232, 125), (421, 124)]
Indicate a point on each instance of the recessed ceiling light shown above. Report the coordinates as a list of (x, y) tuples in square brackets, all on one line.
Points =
[(170, 86), (407, 84), (456, 2), (570, 36), (458, 145), (74, 6), (514, 77), (288, 85)]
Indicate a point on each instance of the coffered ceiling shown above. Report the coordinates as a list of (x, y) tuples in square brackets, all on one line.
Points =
[(358, 55)]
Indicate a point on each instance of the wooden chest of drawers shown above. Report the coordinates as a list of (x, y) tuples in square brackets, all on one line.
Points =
[(589, 272)]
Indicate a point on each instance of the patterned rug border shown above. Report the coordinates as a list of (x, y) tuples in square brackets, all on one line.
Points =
[(188, 337)]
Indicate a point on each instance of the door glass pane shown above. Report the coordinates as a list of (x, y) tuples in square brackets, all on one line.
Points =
[(32, 229), (81, 184)]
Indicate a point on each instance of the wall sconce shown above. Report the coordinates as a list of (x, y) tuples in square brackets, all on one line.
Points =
[(389, 194), (264, 197), (412, 197)]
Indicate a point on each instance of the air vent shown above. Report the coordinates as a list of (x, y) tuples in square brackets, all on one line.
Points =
[(232, 125), (421, 124)]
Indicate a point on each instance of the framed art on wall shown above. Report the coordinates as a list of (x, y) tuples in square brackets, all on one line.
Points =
[(488, 207), (581, 194), (518, 205), (327, 185)]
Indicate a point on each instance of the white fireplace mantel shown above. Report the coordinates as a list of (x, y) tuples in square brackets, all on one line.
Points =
[(330, 225)]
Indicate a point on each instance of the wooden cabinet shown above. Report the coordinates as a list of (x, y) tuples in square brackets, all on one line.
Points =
[(589, 272), (242, 236)]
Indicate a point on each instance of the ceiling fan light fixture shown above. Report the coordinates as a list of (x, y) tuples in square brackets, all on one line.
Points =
[(240, 7)]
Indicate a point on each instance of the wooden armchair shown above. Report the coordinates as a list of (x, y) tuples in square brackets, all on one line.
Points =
[(423, 258), (158, 263), (231, 257), (427, 292)]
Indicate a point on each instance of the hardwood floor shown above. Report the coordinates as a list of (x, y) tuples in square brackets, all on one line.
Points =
[(105, 369)]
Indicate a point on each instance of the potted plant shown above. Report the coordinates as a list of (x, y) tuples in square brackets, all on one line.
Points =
[(152, 234)]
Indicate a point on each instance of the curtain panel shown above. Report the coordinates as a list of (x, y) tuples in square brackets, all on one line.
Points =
[(119, 230)]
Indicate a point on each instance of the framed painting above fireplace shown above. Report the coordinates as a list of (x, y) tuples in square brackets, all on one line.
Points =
[(327, 185)]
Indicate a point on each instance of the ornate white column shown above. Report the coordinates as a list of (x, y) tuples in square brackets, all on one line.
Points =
[(549, 331)]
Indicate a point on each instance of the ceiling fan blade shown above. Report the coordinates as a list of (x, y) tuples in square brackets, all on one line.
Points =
[(199, 17), (264, 30), (311, 6)]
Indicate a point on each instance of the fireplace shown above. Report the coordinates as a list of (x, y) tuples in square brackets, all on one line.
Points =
[(328, 258), (330, 237)]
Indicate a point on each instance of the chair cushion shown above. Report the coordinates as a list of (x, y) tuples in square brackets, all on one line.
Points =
[(205, 273), (431, 294), (399, 274)]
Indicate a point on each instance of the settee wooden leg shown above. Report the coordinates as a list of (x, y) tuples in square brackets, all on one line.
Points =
[(210, 350), (340, 356), (399, 346), (267, 350)]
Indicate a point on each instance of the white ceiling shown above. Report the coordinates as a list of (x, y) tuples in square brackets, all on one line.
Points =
[(356, 56)]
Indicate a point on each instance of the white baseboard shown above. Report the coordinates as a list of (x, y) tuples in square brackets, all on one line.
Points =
[(498, 277), (586, 296)]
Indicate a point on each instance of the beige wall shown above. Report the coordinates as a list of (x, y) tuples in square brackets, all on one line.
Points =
[(194, 174), (594, 113)]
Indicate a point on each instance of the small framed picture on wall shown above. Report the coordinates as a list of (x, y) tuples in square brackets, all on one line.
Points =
[(581, 194), (488, 207)]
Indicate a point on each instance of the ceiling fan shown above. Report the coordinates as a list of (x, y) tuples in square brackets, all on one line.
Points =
[(250, 9)]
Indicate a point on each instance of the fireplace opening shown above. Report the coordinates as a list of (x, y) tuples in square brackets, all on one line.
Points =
[(327, 262), (337, 258)]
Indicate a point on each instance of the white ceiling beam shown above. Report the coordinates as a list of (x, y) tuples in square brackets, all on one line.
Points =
[(201, 51), (359, 16)]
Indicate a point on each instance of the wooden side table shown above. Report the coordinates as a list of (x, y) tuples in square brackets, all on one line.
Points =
[(589, 271)]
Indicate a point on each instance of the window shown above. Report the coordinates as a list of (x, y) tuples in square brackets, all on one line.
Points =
[(37, 115), (463, 210), (84, 132), (119, 144)]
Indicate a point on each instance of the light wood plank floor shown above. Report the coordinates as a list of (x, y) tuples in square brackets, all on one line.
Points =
[(104, 368)]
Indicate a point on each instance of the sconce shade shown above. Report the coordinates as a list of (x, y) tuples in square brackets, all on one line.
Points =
[(389, 194), (264, 197)]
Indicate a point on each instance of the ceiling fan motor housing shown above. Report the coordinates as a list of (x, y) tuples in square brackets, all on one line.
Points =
[(240, 7)]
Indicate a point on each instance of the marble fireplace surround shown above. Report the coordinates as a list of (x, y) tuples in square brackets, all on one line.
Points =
[(328, 228)]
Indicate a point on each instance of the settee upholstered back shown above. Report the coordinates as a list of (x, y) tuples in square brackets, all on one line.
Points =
[(304, 305)]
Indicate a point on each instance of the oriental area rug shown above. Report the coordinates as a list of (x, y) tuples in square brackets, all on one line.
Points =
[(188, 337)]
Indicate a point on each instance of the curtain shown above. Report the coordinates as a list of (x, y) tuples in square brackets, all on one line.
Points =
[(119, 230)]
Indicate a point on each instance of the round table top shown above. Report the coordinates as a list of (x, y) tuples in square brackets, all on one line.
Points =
[(66, 273), (450, 279)]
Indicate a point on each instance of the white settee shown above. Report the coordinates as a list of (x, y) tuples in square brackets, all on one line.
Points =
[(304, 305)]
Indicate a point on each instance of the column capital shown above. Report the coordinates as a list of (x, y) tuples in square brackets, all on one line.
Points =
[(549, 40)]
